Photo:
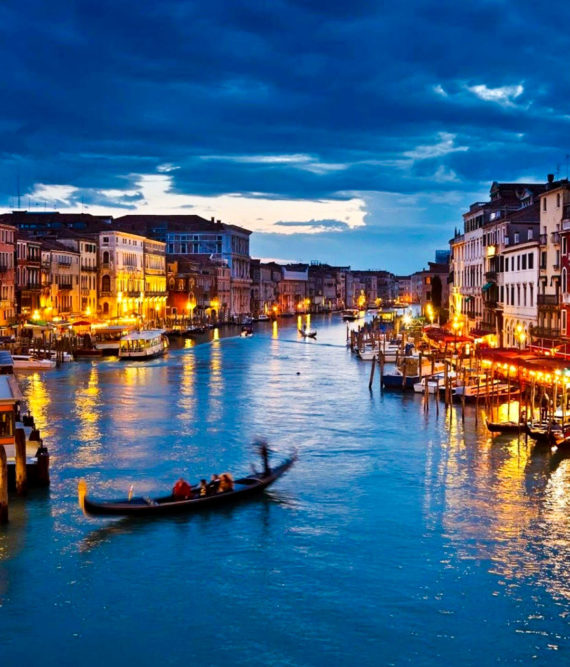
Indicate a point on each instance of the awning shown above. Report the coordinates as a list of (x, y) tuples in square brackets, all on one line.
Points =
[(487, 286), (480, 333)]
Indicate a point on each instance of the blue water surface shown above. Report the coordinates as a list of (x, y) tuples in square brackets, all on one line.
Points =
[(400, 536)]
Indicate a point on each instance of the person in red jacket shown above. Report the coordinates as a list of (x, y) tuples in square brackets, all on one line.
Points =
[(182, 489)]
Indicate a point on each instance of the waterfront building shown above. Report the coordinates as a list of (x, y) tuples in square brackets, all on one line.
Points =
[(198, 288), (194, 235), (121, 274), (326, 287), (292, 290), (475, 255), (265, 279), (403, 289), (553, 201), (7, 275), (368, 288), (28, 276), (429, 289), (517, 291), (154, 298), (60, 268), (88, 255)]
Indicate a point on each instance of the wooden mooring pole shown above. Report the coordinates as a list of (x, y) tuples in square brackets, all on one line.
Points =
[(21, 471), (3, 486), (372, 373)]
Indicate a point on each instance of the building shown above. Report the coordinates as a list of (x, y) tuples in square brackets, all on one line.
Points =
[(60, 269), (88, 254), (28, 276), (154, 298), (292, 292), (265, 279), (194, 235), (7, 275), (121, 274), (517, 292)]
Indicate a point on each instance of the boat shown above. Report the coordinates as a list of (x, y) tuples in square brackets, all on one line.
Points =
[(244, 488), (263, 318), (367, 353), (32, 363), (246, 331), (108, 338), (506, 427), (308, 333), (52, 354), (547, 433), (350, 315), (143, 344), (434, 383), (493, 388)]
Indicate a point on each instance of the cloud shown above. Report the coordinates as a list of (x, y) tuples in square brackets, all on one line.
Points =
[(443, 147), (504, 96)]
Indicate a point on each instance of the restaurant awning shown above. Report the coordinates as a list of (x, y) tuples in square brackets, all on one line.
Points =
[(480, 333)]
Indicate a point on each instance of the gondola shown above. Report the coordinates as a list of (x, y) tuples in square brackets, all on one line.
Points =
[(308, 334), (506, 427), (244, 488)]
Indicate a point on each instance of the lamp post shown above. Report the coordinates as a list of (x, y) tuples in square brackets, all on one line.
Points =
[(520, 336)]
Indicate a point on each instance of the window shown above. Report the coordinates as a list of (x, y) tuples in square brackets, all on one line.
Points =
[(557, 200), (523, 263), (106, 284), (564, 245), (518, 262), (563, 318), (544, 203), (530, 260)]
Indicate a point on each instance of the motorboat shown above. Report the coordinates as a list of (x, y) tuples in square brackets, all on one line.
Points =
[(32, 363), (367, 353), (108, 338), (434, 383), (143, 344), (52, 354), (350, 314)]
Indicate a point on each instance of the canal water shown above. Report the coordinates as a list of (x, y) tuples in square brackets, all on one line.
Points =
[(399, 537)]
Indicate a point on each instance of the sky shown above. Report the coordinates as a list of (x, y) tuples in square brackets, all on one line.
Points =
[(354, 133)]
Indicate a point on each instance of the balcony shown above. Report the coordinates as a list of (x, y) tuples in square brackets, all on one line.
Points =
[(4, 268), (85, 291), (545, 332), (542, 238), (491, 276), (65, 286), (32, 285), (547, 299), (104, 292), (88, 267), (555, 237)]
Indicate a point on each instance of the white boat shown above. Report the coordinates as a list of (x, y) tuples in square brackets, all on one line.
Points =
[(263, 318), (350, 314), (29, 362), (471, 391), (434, 383), (108, 339), (143, 344), (367, 354)]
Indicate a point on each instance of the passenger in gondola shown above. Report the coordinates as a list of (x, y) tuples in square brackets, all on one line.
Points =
[(265, 458), (203, 489), (182, 489), (213, 485), (226, 483)]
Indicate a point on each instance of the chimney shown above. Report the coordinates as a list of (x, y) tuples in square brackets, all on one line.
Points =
[(212, 219), (550, 178)]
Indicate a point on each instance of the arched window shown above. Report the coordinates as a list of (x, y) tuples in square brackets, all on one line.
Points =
[(106, 257), (105, 308), (106, 284)]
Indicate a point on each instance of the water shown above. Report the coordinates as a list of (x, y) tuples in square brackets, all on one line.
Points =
[(397, 538)]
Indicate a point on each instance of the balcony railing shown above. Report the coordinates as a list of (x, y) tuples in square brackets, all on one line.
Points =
[(555, 237), (88, 267), (32, 285), (545, 332), (547, 299), (65, 286), (105, 292), (4, 268), (543, 238)]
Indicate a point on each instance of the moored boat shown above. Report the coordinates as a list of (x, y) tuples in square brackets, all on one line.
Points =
[(244, 488), (350, 315), (29, 362), (506, 427), (143, 344)]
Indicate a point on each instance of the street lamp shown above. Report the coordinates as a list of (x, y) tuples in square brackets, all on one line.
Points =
[(456, 326), (520, 336)]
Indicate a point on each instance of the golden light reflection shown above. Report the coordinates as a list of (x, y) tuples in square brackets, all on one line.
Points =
[(87, 405), (216, 334), (274, 330), (38, 401)]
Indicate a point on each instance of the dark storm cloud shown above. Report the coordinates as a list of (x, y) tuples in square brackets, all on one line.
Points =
[(96, 93)]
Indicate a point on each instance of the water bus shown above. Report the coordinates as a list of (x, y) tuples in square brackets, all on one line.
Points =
[(143, 344)]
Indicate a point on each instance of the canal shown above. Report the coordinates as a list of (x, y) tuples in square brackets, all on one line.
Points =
[(399, 537)]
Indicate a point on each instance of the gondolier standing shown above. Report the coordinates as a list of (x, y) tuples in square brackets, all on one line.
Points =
[(265, 458)]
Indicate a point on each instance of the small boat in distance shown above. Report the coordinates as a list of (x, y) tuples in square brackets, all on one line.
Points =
[(246, 331), (350, 314), (244, 488), (307, 333), (143, 344)]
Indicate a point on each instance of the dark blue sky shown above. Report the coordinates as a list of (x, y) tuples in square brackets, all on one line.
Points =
[(350, 132)]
